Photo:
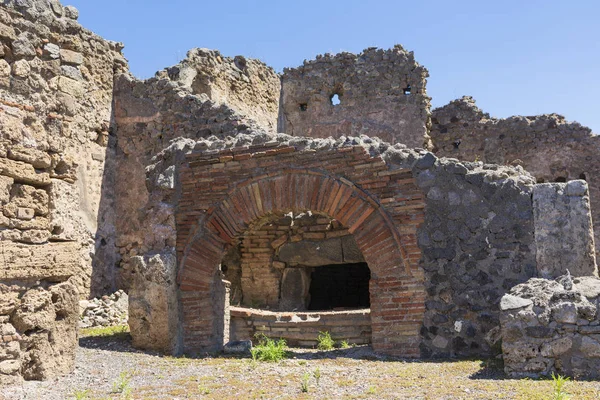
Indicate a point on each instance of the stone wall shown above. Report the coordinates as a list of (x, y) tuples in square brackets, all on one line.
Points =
[(477, 242), (549, 147), (381, 94), (56, 82), (465, 230), (550, 326), (183, 101), (38, 330), (301, 328), (247, 85), (563, 229)]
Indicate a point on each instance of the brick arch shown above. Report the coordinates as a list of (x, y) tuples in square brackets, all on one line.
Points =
[(291, 190)]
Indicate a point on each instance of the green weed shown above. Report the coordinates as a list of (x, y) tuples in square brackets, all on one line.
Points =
[(82, 394), (325, 342), (269, 350), (317, 375), (304, 382), (121, 385), (203, 390), (558, 383)]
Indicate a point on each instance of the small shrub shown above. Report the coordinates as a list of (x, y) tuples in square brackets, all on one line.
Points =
[(304, 382), (344, 344), (371, 390), (325, 342), (558, 383), (269, 350)]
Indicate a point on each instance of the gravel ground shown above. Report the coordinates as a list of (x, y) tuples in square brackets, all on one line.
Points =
[(104, 363)]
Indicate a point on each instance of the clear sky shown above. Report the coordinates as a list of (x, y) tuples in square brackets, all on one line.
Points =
[(515, 57)]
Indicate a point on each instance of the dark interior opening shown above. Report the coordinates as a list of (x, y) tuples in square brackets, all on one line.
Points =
[(340, 287), (582, 176), (560, 179)]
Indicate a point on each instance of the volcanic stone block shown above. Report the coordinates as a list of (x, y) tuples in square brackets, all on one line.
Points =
[(312, 253), (564, 235), (294, 288)]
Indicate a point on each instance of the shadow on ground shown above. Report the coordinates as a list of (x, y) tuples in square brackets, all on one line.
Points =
[(121, 342)]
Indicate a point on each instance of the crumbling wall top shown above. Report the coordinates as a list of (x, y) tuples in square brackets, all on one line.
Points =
[(377, 92), (247, 85)]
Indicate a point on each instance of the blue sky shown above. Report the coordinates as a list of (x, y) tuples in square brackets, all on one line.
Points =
[(515, 57)]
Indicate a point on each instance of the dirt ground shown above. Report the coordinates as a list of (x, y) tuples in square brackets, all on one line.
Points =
[(109, 368)]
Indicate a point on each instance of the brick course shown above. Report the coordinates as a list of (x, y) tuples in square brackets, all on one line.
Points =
[(224, 192)]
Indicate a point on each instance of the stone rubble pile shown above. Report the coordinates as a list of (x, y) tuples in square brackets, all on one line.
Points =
[(552, 326), (105, 311)]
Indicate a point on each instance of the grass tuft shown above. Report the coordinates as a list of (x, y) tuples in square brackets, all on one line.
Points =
[(269, 350), (317, 375), (82, 394), (121, 385), (105, 331), (325, 342), (304, 382)]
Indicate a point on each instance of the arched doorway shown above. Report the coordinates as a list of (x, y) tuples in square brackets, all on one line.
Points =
[(293, 276), (396, 296)]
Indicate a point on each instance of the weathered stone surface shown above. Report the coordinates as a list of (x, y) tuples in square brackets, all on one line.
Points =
[(41, 329), (565, 313), (37, 158), (153, 312), (550, 147), (300, 328), (7, 32), (9, 299), (21, 68), (556, 347), (351, 252), (74, 169), (246, 85), (510, 302), (50, 130), (71, 57), (295, 283), (23, 172), (23, 46), (5, 189), (589, 286), (563, 229), (562, 324), (50, 260), (238, 347), (590, 347), (373, 99), (312, 253)]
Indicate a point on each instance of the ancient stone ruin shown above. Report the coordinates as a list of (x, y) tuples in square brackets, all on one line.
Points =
[(228, 200)]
